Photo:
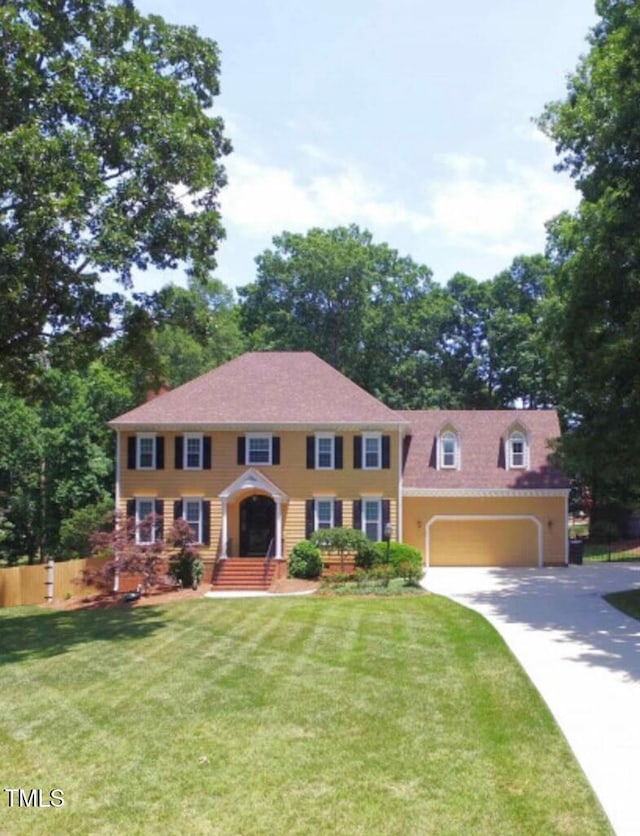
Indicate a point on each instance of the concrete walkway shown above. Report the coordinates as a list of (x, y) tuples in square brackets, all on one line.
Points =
[(581, 654)]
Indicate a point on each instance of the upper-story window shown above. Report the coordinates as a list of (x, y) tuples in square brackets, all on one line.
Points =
[(193, 451), (258, 449), (371, 451), (146, 451), (517, 450), (325, 449)]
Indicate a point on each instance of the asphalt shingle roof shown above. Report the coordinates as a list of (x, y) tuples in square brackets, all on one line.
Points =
[(482, 435), (271, 387)]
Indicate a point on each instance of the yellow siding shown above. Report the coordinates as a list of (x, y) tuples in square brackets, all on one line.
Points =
[(291, 476), (499, 542)]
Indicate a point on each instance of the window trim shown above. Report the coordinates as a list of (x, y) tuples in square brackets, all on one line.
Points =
[(332, 452), (378, 438), (195, 500), (448, 435), (316, 517), (367, 500), (140, 520), (518, 435), (185, 451), (255, 436), (146, 437)]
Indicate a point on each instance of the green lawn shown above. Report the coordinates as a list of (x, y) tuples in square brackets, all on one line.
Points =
[(305, 715), (627, 602)]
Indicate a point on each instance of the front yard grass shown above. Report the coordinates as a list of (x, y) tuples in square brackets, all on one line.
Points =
[(305, 715), (627, 602)]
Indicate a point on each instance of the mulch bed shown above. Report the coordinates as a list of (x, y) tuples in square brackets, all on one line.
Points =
[(104, 601)]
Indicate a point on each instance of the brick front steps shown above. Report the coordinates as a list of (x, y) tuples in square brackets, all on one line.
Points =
[(250, 573)]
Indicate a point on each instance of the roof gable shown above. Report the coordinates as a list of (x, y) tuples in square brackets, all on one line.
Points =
[(276, 388)]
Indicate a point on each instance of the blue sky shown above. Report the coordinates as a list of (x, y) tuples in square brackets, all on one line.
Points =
[(409, 117)]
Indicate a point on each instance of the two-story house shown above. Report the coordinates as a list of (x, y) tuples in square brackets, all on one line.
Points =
[(260, 452)]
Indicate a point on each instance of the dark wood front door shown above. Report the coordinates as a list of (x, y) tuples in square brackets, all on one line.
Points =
[(257, 525)]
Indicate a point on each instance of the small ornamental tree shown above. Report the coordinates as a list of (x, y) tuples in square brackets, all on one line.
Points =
[(126, 554), (340, 541), (184, 564)]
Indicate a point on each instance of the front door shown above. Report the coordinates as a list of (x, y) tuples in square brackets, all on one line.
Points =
[(257, 525)]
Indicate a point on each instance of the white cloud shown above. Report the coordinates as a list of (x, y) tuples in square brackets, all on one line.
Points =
[(468, 205)]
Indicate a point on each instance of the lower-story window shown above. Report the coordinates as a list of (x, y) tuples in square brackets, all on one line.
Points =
[(193, 516), (145, 528), (324, 513), (372, 519)]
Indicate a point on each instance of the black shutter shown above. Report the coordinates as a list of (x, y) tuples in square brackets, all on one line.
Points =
[(177, 509), (131, 452), (158, 510), (337, 453), (311, 452), (337, 513), (179, 452), (386, 452), (160, 452), (386, 514), (357, 514), (309, 521), (357, 452), (131, 506), (206, 452), (242, 446), (206, 523), (275, 450)]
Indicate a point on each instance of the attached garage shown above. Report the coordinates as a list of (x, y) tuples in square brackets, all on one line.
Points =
[(484, 540)]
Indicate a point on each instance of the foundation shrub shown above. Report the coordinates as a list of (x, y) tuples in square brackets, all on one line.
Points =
[(305, 561)]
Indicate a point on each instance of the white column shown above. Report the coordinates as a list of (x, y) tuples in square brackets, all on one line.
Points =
[(225, 532), (278, 529)]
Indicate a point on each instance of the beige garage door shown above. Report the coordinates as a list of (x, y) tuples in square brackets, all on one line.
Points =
[(483, 541)]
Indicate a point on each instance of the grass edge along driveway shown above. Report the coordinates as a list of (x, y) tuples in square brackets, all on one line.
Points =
[(298, 716)]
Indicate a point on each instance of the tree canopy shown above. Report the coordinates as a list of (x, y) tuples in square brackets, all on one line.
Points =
[(109, 161), (596, 252)]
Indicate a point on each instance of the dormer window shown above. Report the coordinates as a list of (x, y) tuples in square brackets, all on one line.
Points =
[(517, 450), (448, 450)]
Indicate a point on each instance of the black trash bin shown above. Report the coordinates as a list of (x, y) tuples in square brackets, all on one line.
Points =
[(576, 551)]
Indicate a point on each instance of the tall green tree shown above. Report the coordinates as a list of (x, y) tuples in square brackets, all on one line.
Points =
[(357, 304), (596, 130), (175, 334), (110, 160)]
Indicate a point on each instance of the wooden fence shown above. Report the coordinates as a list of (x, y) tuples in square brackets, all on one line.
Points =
[(20, 585)]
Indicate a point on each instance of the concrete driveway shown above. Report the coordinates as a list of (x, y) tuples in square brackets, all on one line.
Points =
[(581, 654)]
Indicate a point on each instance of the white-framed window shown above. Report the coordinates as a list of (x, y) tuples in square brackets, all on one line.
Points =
[(372, 519), (145, 528), (325, 451), (193, 446), (192, 514), (372, 451), (448, 451), (146, 451), (517, 450), (259, 449), (324, 513)]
